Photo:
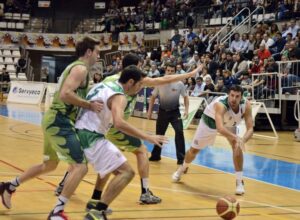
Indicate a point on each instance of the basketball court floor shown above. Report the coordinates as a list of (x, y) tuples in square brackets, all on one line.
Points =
[(271, 169)]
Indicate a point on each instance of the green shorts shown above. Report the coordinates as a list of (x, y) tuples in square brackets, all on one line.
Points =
[(123, 141), (60, 139)]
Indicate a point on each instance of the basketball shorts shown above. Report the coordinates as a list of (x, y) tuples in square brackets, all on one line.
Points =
[(206, 136), (104, 157), (61, 141), (123, 141)]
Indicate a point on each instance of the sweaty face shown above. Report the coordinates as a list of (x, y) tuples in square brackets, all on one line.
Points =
[(234, 99)]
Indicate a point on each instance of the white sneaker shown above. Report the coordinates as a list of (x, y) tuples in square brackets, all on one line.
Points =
[(177, 175), (240, 190)]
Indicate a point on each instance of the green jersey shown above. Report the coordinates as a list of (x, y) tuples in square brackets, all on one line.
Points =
[(68, 109), (131, 100)]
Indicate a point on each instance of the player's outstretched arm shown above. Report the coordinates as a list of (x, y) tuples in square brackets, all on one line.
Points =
[(151, 82), (117, 105)]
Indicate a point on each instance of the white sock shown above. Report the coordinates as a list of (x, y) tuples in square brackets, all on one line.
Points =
[(60, 205), (184, 166), (145, 183), (239, 176), (14, 184)]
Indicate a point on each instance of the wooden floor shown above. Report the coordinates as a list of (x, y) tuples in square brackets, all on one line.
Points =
[(194, 198)]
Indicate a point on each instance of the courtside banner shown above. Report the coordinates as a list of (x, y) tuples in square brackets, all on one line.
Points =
[(26, 92), (194, 104)]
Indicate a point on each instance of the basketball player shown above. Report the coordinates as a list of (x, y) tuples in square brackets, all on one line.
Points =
[(61, 141), (222, 115), (129, 143), (92, 127)]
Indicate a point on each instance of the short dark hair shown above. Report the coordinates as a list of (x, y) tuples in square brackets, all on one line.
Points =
[(170, 64), (236, 88), (130, 59), (131, 72), (85, 44)]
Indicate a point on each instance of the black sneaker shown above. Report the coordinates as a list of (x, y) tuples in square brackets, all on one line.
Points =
[(152, 158), (94, 214)]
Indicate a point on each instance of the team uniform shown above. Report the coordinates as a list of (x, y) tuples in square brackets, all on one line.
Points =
[(60, 139), (118, 138), (92, 128), (207, 131)]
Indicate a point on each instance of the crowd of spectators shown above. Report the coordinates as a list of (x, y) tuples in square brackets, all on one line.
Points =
[(226, 64)]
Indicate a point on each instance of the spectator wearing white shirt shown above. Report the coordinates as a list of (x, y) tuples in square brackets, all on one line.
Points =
[(236, 44), (179, 69), (293, 28), (245, 43), (154, 72), (199, 87), (267, 41)]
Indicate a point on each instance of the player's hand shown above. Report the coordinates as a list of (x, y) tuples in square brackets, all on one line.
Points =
[(185, 115), (157, 140), (96, 106)]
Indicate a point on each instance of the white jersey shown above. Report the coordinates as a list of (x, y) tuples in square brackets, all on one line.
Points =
[(99, 122), (231, 118)]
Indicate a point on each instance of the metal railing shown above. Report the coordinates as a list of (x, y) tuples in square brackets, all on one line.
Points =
[(290, 76)]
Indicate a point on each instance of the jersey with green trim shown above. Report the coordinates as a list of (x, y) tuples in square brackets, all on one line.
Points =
[(131, 100), (230, 117), (99, 122), (67, 109)]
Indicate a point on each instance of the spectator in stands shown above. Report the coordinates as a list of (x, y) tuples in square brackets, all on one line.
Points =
[(288, 78), (209, 87), (179, 69), (278, 45), (229, 80), (236, 44), (154, 72), (199, 87), (211, 65), (190, 84), (271, 66), (240, 65), (220, 87), (274, 30), (263, 53), (244, 44), (191, 35), (258, 40), (176, 37), (255, 66), (246, 81), (229, 61), (293, 28), (267, 40), (97, 78), (156, 54)]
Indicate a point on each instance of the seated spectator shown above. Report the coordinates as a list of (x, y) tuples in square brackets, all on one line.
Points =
[(199, 87), (97, 78), (154, 72), (263, 53), (179, 69), (267, 40), (278, 45), (191, 84), (236, 44), (176, 37), (229, 80), (240, 65), (246, 81), (220, 87)]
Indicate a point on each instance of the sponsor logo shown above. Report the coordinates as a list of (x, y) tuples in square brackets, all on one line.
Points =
[(30, 92), (15, 89)]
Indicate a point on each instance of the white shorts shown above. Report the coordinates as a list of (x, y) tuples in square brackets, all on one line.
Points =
[(206, 136), (104, 157)]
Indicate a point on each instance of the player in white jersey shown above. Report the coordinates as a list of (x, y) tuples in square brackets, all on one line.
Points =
[(222, 115), (91, 128)]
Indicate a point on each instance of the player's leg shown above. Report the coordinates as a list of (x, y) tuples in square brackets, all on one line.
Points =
[(147, 197), (238, 160), (106, 159), (203, 137), (50, 163)]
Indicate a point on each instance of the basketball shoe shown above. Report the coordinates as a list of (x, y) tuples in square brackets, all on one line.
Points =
[(92, 204), (149, 198), (240, 190), (6, 193), (178, 173), (57, 216), (94, 214)]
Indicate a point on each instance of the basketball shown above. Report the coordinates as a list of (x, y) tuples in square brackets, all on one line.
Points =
[(228, 207)]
